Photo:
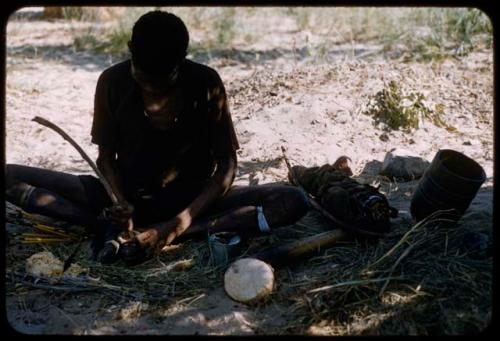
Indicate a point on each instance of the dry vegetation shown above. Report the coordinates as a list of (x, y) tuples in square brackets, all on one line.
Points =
[(315, 80)]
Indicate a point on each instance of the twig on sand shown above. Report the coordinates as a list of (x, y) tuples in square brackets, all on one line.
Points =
[(190, 300)]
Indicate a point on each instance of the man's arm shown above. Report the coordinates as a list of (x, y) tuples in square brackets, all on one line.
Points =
[(223, 143), (106, 162), (104, 135), (217, 186)]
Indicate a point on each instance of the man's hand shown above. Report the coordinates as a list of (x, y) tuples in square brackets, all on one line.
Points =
[(153, 239), (166, 232), (119, 214)]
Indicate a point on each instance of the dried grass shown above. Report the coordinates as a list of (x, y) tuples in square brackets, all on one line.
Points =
[(417, 279), (421, 277), (412, 34)]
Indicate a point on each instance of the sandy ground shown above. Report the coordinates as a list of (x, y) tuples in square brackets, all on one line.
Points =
[(279, 99)]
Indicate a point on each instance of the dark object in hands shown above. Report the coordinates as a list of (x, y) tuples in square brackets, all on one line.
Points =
[(109, 252), (105, 245), (132, 253)]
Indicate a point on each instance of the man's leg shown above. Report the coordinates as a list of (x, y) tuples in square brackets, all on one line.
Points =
[(58, 195), (238, 210), (54, 194)]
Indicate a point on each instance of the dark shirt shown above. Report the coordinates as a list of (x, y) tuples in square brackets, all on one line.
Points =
[(149, 159)]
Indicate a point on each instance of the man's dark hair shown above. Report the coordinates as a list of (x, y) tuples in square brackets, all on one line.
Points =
[(159, 42)]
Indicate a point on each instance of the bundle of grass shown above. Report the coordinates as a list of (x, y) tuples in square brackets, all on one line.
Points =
[(417, 281)]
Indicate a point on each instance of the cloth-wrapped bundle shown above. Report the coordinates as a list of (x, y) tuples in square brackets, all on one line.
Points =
[(345, 198)]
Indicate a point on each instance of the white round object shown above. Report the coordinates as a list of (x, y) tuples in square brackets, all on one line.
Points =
[(248, 280), (45, 264)]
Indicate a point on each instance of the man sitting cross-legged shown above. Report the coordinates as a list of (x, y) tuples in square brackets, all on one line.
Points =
[(167, 147)]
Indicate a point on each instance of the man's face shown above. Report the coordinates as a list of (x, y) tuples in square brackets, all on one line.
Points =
[(155, 84), (157, 90)]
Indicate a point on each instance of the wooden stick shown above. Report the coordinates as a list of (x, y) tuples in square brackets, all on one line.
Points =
[(54, 232), (40, 235), (101, 177), (61, 132), (41, 241), (300, 248)]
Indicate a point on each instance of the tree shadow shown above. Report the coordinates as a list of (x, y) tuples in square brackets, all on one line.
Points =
[(260, 57), (26, 15), (95, 61), (64, 54), (199, 52)]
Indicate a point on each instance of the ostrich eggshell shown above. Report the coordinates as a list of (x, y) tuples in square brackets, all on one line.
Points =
[(248, 280), (45, 264)]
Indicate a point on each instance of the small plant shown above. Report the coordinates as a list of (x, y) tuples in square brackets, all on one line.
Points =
[(224, 27), (86, 40), (467, 22), (396, 110), (116, 40), (111, 40), (80, 13), (302, 18)]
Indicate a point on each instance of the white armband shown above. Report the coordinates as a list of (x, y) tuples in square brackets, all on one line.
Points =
[(263, 225)]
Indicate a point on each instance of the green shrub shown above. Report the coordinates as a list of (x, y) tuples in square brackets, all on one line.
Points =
[(412, 34), (395, 109), (80, 13), (223, 25), (113, 40)]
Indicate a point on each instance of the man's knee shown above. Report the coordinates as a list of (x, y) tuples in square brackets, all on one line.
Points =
[(10, 175), (294, 202), (299, 201), (16, 190)]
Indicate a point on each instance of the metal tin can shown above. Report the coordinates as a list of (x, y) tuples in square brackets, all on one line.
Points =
[(224, 246)]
